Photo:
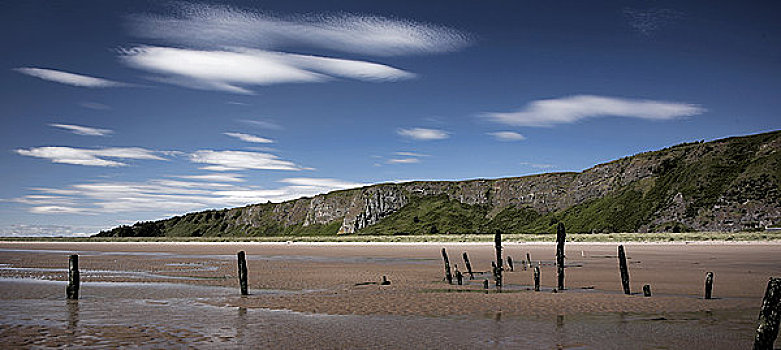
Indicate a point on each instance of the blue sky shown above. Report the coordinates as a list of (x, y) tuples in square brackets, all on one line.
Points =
[(119, 111)]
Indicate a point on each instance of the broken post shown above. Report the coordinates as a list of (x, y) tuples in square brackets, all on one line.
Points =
[(485, 284), (448, 276), (560, 238), (769, 316), (243, 273), (536, 278), (72, 290), (499, 260), (459, 276), (708, 285), (510, 263), (647, 290), (623, 268), (385, 281), (468, 267), (529, 260)]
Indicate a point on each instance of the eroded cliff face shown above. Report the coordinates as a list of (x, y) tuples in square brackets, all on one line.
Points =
[(725, 185)]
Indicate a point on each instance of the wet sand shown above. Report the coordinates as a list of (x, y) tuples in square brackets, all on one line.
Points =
[(308, 296)]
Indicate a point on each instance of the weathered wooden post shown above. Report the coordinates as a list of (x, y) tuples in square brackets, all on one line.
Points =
[(499, 260), (243, 273), (536, 278), (468, 267), (385, 281), (647, 290), (624, 270), (528, 259), (485, 284), (708, 285), (74, 280), (448, 276), (510, 263), (459, 276), (769, 316), (560, 238)]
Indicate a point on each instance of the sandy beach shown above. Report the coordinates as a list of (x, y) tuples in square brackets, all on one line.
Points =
[(323, 295)]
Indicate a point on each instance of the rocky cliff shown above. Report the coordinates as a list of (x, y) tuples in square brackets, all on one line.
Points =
[(725, 185)]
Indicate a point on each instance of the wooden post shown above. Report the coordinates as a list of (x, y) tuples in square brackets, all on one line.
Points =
[(448, 276), (385, 281), (468, 267), (485, 284), (459, 276), (529, 260), (769, 316), (499, 260), (536, 278), (560, 238), (647, 290), (708, 285), (243, 273), (623, 268), (74, 280), (510, 263)]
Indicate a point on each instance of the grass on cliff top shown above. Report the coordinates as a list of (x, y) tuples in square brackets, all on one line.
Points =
[(454, 238)]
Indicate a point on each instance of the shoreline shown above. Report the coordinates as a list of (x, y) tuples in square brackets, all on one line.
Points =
[(398, 244)]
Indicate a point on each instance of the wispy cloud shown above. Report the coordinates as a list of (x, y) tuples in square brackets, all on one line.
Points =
[(403, 160), (649, 21), (575, 108), (69, 78), (90, 157), (263, 124), (410, 154), (165, 195), (213, 26), (241, 160), (538, 165), (249, 138), (221, 177), (423, 134), (95, 105), (234, 71), (507, 136), (83, 130)]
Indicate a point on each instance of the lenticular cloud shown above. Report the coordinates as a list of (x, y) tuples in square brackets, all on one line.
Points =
[(222, 26)]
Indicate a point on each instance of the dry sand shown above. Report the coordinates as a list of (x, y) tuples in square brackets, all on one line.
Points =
[(321, 279)]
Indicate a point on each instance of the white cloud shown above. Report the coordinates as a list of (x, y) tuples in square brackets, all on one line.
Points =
[(83, 130), (403, 161), (170, 196), (249, 138), (69, 78), (410, 154), (91, 157), (321, 182), (263, 124), (241, 160), (423, 134), (574, 108), (221, 26), (35, 230), (233, 71), (507, 136), (222, 177), (538, 165), (95, 106)]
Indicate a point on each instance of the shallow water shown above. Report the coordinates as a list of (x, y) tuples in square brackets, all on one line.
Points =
[(162, 315)]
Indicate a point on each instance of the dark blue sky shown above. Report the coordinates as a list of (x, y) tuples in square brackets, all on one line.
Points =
[(118, 111)]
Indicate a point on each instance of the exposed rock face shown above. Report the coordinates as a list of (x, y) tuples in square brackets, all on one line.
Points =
[(371, 205), (724, 185)]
